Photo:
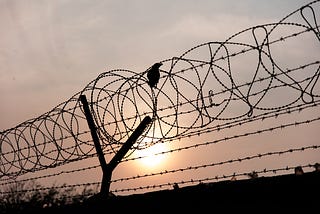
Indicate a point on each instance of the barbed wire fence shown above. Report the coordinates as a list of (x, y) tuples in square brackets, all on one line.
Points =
[(222, 109)]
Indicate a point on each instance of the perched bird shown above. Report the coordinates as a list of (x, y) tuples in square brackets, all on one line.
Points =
[(154, 74)]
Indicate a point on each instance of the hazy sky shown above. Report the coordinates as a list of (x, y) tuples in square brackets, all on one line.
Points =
[(49, 50)]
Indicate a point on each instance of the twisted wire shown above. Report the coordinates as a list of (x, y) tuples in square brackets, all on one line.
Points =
[(210, 179), (210, 87)]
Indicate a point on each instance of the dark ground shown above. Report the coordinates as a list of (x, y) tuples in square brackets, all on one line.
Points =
[(285, 193)]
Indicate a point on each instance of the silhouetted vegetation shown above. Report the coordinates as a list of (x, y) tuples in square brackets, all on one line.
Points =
[(22, 197), (272, 194)]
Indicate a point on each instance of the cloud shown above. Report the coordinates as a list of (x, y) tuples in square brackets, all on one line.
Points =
[(65, 44)]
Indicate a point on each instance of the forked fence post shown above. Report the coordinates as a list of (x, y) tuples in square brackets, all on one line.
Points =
[(124, 149), (107, 169), (95, 138)]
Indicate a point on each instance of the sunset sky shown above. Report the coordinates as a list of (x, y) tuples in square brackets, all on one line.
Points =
[(50, 50)]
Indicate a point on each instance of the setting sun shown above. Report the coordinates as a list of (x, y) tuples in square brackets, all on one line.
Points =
[(151, 157)]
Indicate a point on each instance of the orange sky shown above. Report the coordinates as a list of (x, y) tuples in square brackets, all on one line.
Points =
[(50, 51)]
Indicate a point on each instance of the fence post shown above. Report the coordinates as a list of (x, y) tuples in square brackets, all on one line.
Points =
[(96, 141), (107, 169), (123, 151)]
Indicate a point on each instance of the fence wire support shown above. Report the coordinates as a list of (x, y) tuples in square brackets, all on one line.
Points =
[(95, 139), (107, 169)]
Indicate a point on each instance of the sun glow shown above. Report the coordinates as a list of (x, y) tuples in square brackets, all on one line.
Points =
[(151, 157)]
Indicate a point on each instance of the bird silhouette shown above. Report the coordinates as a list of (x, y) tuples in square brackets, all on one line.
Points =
[(154, 74)]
